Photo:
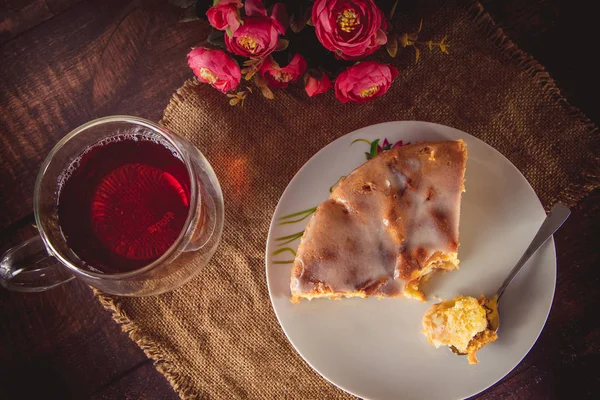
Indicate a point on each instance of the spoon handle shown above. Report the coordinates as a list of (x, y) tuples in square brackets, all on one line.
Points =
[(557, 216)]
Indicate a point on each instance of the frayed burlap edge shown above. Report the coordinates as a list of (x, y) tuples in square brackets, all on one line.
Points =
[(589, 181), (590, 175), (180, 383), (177, 98)]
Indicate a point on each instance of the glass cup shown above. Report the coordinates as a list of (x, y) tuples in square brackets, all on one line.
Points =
[(46, 261)]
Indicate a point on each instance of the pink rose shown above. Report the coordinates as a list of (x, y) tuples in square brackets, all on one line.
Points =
[(350, 28), (259, 34), (224, 15), (281, 77), (364, 82), (316, 86), (215, 67), (257, 37)]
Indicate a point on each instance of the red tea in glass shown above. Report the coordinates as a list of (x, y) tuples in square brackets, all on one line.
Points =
[(123, 202)]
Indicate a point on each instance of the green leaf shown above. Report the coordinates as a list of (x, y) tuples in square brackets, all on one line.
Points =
[(307, 211), (216, 38), (443, 45), (266, 92), (292, 236), (250, 74), (282, 44), (403, 40), (229, 32), (336, 183), (189, 15), (276, 252), (295, 220), (374, 148), (297, 24), (289, 239), (368, 155), (360, 140), (392, 47), (259, 81), (393, 10)]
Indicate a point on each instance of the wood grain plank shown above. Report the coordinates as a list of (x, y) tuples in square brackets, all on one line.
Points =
[(70, 63), (59, 343), (560, 34), (105, 58), (139, 383), (57, 6), (19, 16), (564, 361), (54, 77)]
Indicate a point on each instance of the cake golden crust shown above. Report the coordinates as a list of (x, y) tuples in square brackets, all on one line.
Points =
[(479, 341), (385, 226)]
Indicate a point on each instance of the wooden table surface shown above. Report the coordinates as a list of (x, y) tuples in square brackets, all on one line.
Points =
[(65, 62)]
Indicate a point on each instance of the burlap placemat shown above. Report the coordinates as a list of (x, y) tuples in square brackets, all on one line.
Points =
[(217, 336)]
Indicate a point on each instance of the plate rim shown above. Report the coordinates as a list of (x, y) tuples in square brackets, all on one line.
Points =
[(549, 243)]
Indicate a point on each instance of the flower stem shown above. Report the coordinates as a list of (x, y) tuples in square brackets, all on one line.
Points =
[(336, 182), (289, 238), (360, 140), (307, 212), (284, 250)]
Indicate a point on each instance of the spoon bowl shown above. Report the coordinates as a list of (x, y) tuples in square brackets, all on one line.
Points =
[(554, 220)]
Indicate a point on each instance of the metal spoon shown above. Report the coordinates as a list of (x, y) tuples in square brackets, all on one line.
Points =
[(557, 216)]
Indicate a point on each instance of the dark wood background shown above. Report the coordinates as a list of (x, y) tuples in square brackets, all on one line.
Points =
[(65, 62)]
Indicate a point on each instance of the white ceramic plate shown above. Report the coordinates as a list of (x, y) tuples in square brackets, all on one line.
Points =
[(374, 348)]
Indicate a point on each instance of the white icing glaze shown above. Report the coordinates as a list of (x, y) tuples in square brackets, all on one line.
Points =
[(384, 221)]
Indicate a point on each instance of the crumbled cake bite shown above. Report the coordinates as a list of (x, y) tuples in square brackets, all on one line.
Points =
[(462, 323), (385, 227)]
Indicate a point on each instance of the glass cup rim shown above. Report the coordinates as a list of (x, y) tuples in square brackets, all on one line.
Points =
[(184, 235)]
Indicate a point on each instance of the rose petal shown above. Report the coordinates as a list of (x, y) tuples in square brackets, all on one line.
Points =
[(261, 30), (226, 73), (365, 39), (255, 8), (316, 86), (351, 84), (380, 38), (280, 17), (271, 71)]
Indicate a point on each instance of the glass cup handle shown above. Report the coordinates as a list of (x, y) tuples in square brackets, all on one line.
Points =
[(28, 267)]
